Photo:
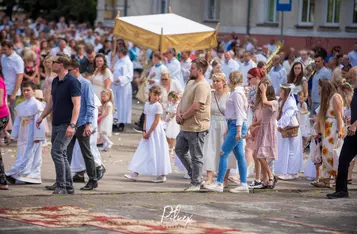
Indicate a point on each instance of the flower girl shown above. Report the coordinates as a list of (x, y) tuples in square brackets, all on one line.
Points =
[(152, 155), (106, 119), (172, 128)]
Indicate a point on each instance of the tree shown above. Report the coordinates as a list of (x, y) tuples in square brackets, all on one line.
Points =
[(76, 10)]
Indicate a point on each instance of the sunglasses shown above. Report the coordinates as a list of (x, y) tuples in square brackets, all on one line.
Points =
[(164, 79)]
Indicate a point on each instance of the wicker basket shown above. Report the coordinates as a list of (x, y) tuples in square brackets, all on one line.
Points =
[(290, 132)]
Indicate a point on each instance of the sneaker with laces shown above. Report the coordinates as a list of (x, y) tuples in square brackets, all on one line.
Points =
[(159, 179), (214, 187), (256, 184), (132, 176), (193, 188), (242, 188)]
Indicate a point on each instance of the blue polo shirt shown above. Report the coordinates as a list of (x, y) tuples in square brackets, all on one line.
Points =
[(62, 93), (323, 73)]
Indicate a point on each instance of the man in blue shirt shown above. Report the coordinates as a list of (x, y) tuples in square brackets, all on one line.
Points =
[(64, 104), (83, 133), (321, 73)]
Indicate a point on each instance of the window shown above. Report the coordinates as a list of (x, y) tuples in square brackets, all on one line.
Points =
[(163, 6), (333, 11), (272, 15), (355, 13), (213, 8), (307, 11)]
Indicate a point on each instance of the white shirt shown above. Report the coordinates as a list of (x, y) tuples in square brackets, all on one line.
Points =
[(249, 47), (278, 77), (185, 69), (123, 71), (97, 47), (237, 106), (287, 66), (228, 67), (157, 69), (174, 68), (11, 66), (260, 57), (244, 68), (353, 58), (55, 50)]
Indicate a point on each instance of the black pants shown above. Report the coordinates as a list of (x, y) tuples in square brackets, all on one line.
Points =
[(84, 144), (348, 152)]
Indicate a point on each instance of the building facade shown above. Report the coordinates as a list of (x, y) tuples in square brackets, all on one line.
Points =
[(334, 22)]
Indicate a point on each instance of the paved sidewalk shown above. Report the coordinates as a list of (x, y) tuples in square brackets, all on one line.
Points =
[(116, 162)]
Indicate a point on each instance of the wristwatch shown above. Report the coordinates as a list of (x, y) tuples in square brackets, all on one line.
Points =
[(72, 125)]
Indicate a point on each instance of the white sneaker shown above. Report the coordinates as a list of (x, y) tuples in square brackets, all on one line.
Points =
[(242, 188), (294, 177), (160, 179), (234, 179), (132, 176), (283, 177), (193, 188), (214, 187)]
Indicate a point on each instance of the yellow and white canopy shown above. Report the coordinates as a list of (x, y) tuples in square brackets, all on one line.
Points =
[(162, 31)]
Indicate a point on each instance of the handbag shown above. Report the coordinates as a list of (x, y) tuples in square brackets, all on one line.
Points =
[(218, 104)]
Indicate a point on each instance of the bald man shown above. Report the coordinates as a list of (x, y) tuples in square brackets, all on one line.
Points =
[(349, 149)]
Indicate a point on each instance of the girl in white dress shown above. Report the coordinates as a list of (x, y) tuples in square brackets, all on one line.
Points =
[(152, 155), (304, 120), (106, 119), (172, 128), (289, 161)]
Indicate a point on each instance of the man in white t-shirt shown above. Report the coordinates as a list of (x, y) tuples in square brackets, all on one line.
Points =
[(229, 64), (246, 65), (13, 71), (62, 47)]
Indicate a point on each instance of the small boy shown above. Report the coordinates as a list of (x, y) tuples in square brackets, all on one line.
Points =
[(27, 167)]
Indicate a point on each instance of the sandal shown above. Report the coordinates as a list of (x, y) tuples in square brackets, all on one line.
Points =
[(271, 186), (322, 184)]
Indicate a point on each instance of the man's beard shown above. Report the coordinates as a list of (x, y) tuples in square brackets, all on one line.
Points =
[(193, 77)]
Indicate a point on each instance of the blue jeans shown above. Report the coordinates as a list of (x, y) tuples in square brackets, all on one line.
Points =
[(59, 156), (231, 144)]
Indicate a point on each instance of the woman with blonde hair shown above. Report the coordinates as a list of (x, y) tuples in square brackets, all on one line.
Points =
[(331, 127), (218, 127), (236, 116), (49, 76)]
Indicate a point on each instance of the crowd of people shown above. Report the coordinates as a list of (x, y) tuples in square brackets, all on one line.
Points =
[(264, 104)]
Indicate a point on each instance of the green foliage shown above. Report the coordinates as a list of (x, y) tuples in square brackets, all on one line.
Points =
[(77, 10)]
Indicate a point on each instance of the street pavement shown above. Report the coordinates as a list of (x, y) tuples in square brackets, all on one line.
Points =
[(293, 207)]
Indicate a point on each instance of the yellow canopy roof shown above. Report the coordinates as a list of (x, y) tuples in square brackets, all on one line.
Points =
[(162, 31)]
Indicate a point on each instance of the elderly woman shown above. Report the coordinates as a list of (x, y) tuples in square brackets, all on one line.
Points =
[(236, 116), (218, 127), (167, 85)]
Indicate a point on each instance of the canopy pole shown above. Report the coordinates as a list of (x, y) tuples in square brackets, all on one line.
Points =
[(161, 40), (217, 27), (114, 41), (170, 10)]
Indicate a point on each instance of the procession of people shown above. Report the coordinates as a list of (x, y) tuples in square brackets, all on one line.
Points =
[(219, 115)]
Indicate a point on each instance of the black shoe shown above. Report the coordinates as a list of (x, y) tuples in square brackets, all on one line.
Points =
[(121, 127), (78, 178), (115, 128), (60, 191), (337, 195), (100, 172), (70, 191), (100, 145), (52, 187), (11, 179), (90, 185)]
